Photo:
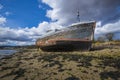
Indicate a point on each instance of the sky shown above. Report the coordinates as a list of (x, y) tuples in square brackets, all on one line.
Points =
[(24, 21)]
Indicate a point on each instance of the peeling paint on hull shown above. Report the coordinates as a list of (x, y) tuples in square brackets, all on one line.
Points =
[(76, 37)]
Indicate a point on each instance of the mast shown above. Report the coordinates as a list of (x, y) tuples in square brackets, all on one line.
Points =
[(78, 16)]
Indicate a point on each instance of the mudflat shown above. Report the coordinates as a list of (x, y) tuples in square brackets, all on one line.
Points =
[(101, 63)]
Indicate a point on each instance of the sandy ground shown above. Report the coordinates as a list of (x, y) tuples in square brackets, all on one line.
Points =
[(30, 64)]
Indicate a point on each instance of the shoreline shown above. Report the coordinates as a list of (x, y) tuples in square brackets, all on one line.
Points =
[(7, 52)]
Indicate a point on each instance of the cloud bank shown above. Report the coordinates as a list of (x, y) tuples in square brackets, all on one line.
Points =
[(110, 27), (65, 11), (25, 36)]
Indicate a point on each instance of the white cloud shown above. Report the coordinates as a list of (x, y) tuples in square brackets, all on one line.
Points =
[(1, 6), (98, 24), (25, 36), (7, 13), (2, 20), (20, 43), (16, 36), (110, 27), (64, 12), (3, 43), (40, 6)]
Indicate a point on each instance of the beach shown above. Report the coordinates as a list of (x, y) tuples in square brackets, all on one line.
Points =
[(101, 63)]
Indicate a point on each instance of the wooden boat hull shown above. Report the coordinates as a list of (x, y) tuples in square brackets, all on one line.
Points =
[(67, 45), (76, 37)]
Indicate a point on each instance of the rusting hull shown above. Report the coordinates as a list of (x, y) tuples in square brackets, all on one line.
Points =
[(67, 46), (75, 37)]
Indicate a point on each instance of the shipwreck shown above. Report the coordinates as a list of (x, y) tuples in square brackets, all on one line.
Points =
[(78, 36)]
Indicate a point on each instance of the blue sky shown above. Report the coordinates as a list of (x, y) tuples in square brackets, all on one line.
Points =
[(24, 21), (24, 13)]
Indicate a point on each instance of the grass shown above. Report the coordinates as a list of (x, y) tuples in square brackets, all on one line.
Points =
[(100, 63)]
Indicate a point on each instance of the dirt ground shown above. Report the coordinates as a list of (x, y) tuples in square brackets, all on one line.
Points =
[(101, 63)]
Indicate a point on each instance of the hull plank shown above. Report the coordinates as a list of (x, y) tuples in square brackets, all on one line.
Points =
[(68, 46)]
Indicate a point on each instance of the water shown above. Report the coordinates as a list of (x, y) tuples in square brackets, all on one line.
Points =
[(6, 52)]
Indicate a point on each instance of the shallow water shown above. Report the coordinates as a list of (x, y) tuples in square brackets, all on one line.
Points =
[(6, 52)]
